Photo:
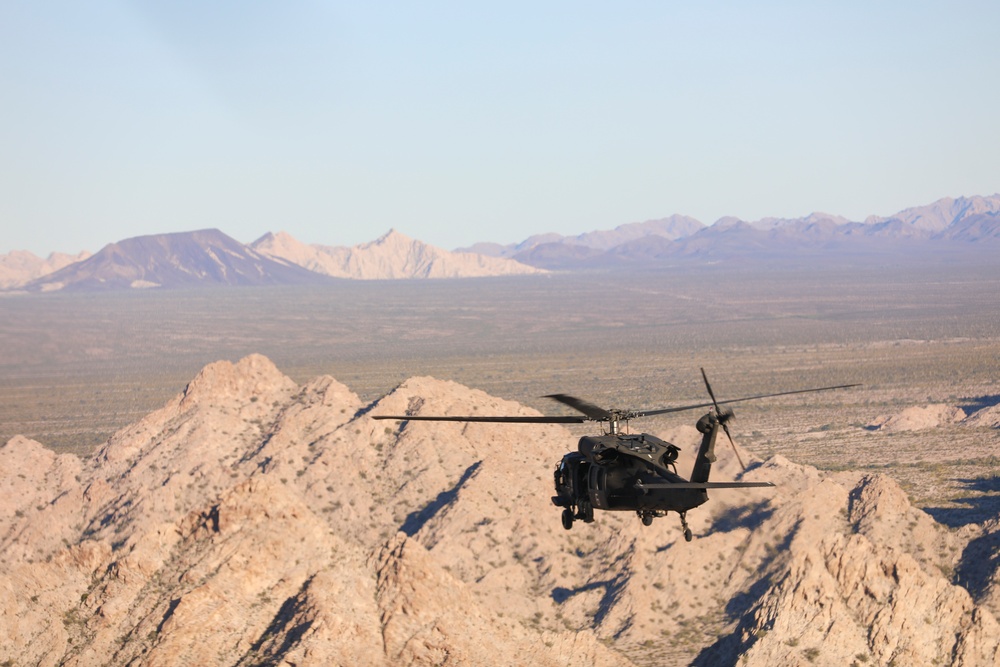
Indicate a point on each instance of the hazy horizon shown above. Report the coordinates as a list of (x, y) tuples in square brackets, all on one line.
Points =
[(378, 234)]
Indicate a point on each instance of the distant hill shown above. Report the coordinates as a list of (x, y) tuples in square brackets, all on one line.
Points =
[(673, 227), (559, 256), (20, 266), (391, 256), (918, 233), (938, 216), (185, 259)]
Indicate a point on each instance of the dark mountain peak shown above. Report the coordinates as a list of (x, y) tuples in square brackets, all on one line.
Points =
[(199, 258)]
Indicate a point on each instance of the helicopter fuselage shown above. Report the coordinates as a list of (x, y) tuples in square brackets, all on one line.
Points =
[(609, 473), (631, 473)]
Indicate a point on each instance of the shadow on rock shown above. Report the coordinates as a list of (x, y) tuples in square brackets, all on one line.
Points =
[(971, 405), (416, 520), (972, 509)]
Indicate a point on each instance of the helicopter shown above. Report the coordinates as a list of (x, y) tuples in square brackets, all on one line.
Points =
[(622, 472)]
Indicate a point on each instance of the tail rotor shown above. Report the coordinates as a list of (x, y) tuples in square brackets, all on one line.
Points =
[(723, 416)]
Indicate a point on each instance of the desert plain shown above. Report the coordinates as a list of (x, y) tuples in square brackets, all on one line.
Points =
[(75, 368), (899, 474)]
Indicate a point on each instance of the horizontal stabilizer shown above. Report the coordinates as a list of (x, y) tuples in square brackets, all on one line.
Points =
[(703, 485)]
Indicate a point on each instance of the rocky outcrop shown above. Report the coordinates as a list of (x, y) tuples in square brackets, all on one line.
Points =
[(851, 597), (988, 417), (254, 521), (430, 617), (919, 417)]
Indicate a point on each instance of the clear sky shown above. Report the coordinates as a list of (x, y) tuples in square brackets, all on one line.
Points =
[(457, 122)]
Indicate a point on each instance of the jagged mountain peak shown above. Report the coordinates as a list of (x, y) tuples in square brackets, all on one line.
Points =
[(392, 235), (242, 382), (270, 238), (396, 241), (393, 255), (434, 394)]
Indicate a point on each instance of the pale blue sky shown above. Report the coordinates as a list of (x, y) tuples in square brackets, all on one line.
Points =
[(457, 122)]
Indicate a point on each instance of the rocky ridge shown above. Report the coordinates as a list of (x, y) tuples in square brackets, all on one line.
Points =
[(392, 256), (922, 417), (254, 521)]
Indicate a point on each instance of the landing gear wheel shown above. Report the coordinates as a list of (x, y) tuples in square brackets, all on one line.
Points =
[(647, 519), (684, 525), (567, 518)]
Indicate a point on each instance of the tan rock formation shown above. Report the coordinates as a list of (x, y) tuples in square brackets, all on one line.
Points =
[(988, 417), (391, 256), (919, 418), (21, 267), (253, 521)]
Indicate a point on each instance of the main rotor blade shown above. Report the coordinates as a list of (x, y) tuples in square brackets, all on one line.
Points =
[(682, 408), (496, 420), (594, 412)]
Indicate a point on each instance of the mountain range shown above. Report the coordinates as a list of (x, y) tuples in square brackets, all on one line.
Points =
[(671, 228), (252, 520), (947, 229), (211, 258), (955, 225)]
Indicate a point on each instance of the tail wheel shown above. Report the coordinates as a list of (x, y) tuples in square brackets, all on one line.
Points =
[(567, 518)]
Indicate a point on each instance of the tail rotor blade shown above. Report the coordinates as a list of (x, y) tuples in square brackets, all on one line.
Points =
[(710, 392), (723, 418), (729, 435)]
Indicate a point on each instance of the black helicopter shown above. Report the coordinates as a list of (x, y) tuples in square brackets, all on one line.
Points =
[(622, 472)]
